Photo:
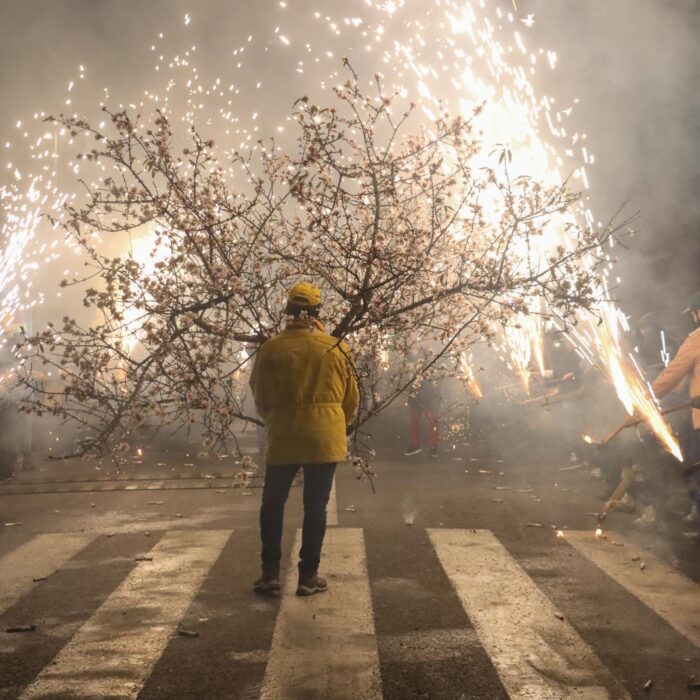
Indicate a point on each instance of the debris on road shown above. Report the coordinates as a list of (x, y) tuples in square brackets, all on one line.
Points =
[(155, 503), (570, 469), (111, 534), (642, 566), (143, 558), (39, 578), (179, 515), (693, 683), (559, 616), (12, 524), (188, 633), (534, 524), (20, 628), (648, 686), (351, 509)]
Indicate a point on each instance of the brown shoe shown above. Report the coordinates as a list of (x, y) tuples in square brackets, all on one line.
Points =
[(310, 584), (269, 582)]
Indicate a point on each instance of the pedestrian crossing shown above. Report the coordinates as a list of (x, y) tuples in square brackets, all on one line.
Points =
[(304, 659), (537, 654), (110, 656), (23, 568), (329, 646), (670, 594)]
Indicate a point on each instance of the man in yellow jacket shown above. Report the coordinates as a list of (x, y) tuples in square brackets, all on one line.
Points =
[(305, 390), (686, 364)]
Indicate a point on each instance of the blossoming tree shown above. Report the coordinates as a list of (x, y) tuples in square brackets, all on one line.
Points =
[(415, 241)]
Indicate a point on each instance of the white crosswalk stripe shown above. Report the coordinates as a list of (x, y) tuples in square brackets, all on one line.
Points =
[(537, 654), (332, 516), (324, 646), (668, 593), (36, 559), (112, 654)]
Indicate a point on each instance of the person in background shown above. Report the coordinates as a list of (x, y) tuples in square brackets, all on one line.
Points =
[(686, 364), (304, 385), (424, 402)]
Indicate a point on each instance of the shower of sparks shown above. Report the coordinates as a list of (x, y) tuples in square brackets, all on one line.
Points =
[(443, 55), (470, 380), (601, 343), (525, 339), (147, 253)]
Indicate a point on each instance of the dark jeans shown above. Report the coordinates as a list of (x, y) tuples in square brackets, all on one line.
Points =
[(692, 456), (318, 480)]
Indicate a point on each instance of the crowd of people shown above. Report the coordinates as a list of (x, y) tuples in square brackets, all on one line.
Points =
[(579, 401)]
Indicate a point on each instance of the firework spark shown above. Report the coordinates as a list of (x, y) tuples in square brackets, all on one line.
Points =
[(448, 55)]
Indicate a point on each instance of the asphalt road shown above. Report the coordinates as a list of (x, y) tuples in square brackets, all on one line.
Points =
[(449, 582)]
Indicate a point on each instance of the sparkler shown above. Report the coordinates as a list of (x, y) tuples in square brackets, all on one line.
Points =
[(469, 378), (514, 116), (601, 342), (618, 493)]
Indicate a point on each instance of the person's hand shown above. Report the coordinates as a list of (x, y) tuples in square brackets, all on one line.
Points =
[(633, 419)]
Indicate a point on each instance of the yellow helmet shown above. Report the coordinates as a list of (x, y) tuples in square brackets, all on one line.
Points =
[(304, 294)]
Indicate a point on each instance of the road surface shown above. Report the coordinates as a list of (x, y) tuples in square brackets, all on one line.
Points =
[(450, 582)]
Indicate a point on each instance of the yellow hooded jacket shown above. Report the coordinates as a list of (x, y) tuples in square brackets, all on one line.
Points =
[(304, 386)]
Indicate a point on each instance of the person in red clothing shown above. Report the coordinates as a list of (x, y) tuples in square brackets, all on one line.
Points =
[(424, 402)]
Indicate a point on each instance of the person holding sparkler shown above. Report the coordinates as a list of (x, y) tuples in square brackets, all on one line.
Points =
[(686, 363)]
